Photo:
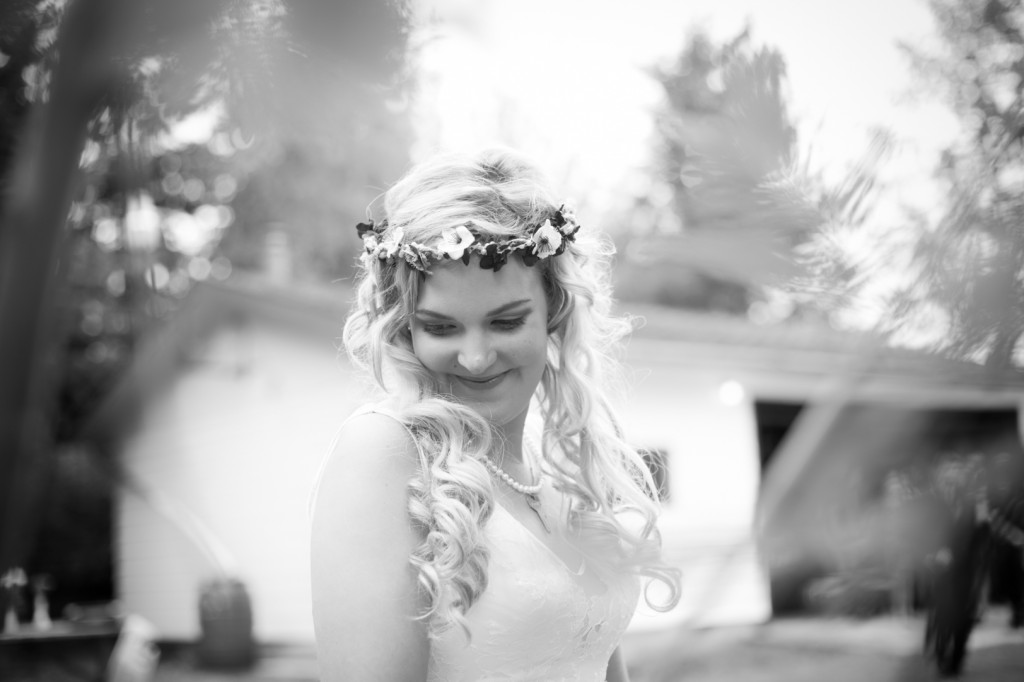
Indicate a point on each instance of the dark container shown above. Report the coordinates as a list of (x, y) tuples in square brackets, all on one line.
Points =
[(225, 618)]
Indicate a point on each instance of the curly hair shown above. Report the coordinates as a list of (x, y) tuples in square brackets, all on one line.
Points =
[(582, 444)]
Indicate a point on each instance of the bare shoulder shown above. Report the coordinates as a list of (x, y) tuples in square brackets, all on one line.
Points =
[(372, 445), (365, 597), (375, 430), (363, 487)]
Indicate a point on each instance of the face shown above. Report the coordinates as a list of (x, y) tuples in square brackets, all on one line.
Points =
[(483, 336)]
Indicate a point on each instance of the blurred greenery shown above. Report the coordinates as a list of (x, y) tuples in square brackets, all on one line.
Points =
[(207, 131), (725, 127), (725, 150), (958, 288), (968, 265)]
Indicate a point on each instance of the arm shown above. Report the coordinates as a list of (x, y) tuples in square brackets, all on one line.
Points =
[(364, 590), (617, 667)]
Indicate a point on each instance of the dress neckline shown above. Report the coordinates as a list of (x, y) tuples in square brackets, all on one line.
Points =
[(533, 459), (522, 527)]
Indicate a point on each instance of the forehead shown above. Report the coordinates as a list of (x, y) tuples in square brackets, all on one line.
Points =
[(453, 288)]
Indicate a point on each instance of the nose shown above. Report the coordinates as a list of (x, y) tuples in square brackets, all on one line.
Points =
[(476, 355)]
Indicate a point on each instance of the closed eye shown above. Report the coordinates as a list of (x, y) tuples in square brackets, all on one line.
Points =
[(438, 329), (508, 324)]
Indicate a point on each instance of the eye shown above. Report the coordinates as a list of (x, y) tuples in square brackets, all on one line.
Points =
[(508, 324), (438, 329)]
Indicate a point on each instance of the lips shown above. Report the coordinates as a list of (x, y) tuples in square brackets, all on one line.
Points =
[(480, 383)]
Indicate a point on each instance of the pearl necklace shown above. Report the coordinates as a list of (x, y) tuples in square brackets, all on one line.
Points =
[(511, 482)]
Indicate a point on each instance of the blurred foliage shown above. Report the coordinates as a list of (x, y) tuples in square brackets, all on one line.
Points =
[(218, 128), (724, 140), (26, 32), (834, 271), (339, 134), (968, 266), (955, 282), (201, 209), (724, 129)]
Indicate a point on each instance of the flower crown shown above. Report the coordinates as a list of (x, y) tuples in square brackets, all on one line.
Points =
[(460, 242)]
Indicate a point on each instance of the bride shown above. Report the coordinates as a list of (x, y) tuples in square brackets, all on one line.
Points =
[(484, 519)]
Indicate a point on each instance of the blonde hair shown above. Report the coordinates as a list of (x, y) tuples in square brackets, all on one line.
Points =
[(451, 498)]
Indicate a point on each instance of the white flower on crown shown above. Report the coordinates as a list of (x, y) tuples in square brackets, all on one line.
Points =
[(569, 215), (569, 212), (370, 241), (389, 247), (546, 240), (455, 241)]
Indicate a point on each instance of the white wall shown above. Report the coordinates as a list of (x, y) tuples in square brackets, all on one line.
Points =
[(236, 439), (238, 436), (710, 438)]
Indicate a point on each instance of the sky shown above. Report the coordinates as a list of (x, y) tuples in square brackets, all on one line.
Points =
[(565, 81)]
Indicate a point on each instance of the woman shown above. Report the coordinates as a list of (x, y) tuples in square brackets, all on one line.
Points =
[(485, 520)]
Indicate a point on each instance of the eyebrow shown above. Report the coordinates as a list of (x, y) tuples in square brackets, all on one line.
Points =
[(490, 313)]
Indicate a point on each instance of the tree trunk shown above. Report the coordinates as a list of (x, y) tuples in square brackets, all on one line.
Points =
[(42, 174), (97, 39)]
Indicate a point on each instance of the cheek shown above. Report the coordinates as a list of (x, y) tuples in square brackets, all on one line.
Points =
[(530, 349), (432, 352)]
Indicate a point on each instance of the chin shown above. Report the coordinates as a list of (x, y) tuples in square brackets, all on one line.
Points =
[(500, 414), (500, 405)]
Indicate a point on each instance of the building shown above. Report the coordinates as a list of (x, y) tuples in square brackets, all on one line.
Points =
[(226, 414)]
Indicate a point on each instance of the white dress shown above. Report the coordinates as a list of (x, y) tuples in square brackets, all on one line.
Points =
[(538, 620)]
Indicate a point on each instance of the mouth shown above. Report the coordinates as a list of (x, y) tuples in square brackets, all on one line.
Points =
[(478, 383)]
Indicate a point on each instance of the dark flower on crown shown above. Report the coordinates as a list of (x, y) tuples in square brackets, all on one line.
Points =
[(460, 242), (493, 258)]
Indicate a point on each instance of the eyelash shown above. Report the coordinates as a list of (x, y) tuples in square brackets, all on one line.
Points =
[(510, 324), (437, 329), (505, 325)]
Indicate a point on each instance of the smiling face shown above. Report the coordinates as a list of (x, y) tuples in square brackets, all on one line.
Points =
[(483, 336)]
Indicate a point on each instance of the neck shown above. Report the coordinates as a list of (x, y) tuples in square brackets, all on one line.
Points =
[(511, 435)]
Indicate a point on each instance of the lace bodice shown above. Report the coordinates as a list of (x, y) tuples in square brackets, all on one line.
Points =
[(537, 620)]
